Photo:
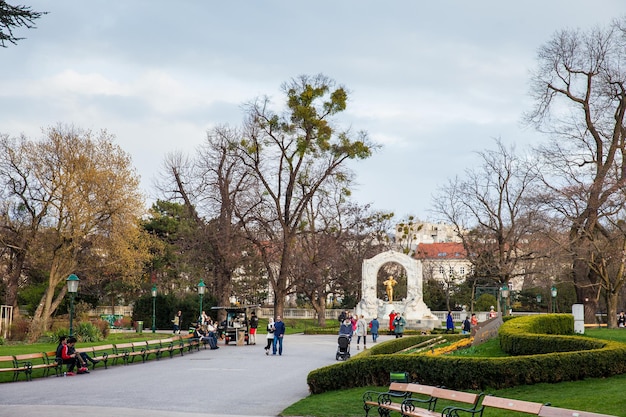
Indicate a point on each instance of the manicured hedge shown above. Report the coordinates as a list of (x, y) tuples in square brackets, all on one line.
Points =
[(595, 359)]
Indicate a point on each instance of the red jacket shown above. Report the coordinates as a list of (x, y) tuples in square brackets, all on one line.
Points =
[(65, 353), (392, 317)]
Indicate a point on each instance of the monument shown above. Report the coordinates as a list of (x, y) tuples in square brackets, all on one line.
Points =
[(413, 308)]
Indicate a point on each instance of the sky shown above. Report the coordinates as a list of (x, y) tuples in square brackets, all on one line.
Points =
[(432, 82)]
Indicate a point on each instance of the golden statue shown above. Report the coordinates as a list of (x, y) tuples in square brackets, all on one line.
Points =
[(389, 284)]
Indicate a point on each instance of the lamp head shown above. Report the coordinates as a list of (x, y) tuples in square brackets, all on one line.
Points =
[(153, 291), (72, 284), (201, 287)]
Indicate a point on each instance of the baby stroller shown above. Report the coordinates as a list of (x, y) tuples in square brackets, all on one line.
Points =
[(343, 347)]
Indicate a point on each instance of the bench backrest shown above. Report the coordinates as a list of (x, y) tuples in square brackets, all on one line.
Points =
[(459, 396), (123, 346), (398, 387), (420, 389), (102, 348), (513, 405), (547, 411), (29, 356)]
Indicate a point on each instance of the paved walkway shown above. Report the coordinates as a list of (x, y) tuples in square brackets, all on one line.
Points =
[(231, 381)]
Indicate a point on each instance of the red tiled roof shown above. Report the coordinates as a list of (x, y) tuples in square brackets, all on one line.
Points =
[(440, 251)]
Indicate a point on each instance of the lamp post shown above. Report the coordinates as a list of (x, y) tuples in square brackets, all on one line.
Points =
[(201, 288), (553, 293), (504, 295), (72, 288), (154, 294)]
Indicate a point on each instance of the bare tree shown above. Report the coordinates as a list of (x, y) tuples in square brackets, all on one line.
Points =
[(209, 186), (493, 203), (579, 89)]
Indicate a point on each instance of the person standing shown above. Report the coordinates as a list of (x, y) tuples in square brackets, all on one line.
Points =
[(254, 323), (492, 312), (361, 332), (392, 318), (467, 326), (398, 324), (474, 320), (279, 332), (374, 325), (449, 323), (178, 319), (270, 335)]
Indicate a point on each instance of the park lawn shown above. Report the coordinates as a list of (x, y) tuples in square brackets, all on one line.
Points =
[(601, 395)]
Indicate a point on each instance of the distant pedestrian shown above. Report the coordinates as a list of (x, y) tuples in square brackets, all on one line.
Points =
[(270, 335), (474, 320), (346, 328), (177, 321), (492, 312), (467, 325), (374, 325), (392, 317), (279, 332), (449, 323), (361, 332), (398, 325), (254, 323)]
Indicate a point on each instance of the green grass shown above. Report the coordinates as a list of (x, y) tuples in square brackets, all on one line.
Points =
[(604, 395), (596, 395)]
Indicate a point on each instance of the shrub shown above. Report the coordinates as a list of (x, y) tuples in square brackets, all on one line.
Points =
[(87, 332), (590, 359), (19, 329), (123, 323), (103, 327)]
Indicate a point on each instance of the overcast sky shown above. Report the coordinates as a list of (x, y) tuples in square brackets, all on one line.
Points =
[(432, 82)]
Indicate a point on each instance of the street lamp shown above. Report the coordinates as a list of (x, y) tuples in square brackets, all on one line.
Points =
[(504, 294), (72, 288), (553, 293), (201, 288), (154, 294), (539, 302)]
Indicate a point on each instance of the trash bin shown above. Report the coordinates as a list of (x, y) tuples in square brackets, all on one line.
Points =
[(241, 336), (140, 327)]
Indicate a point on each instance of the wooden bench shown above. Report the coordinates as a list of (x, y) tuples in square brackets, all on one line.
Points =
[(413, 407), (7, 364), (33, 361), (385, 403), (490, 401), (549, 411), (127, 352), (158, 347), (524, 407), (98, 353)]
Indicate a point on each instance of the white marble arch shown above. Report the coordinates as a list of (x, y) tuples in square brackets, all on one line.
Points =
[(412, 307)]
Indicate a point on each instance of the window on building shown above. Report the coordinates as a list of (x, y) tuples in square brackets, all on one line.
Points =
[(442, 270), (462, 270)]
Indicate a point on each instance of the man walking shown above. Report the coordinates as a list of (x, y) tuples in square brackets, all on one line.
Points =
[(279, 331)]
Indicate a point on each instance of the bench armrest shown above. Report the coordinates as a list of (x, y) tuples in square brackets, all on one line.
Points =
[(462, 412), (410, 404)]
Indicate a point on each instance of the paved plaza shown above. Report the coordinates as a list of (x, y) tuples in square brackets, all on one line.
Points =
[(230, 381)]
